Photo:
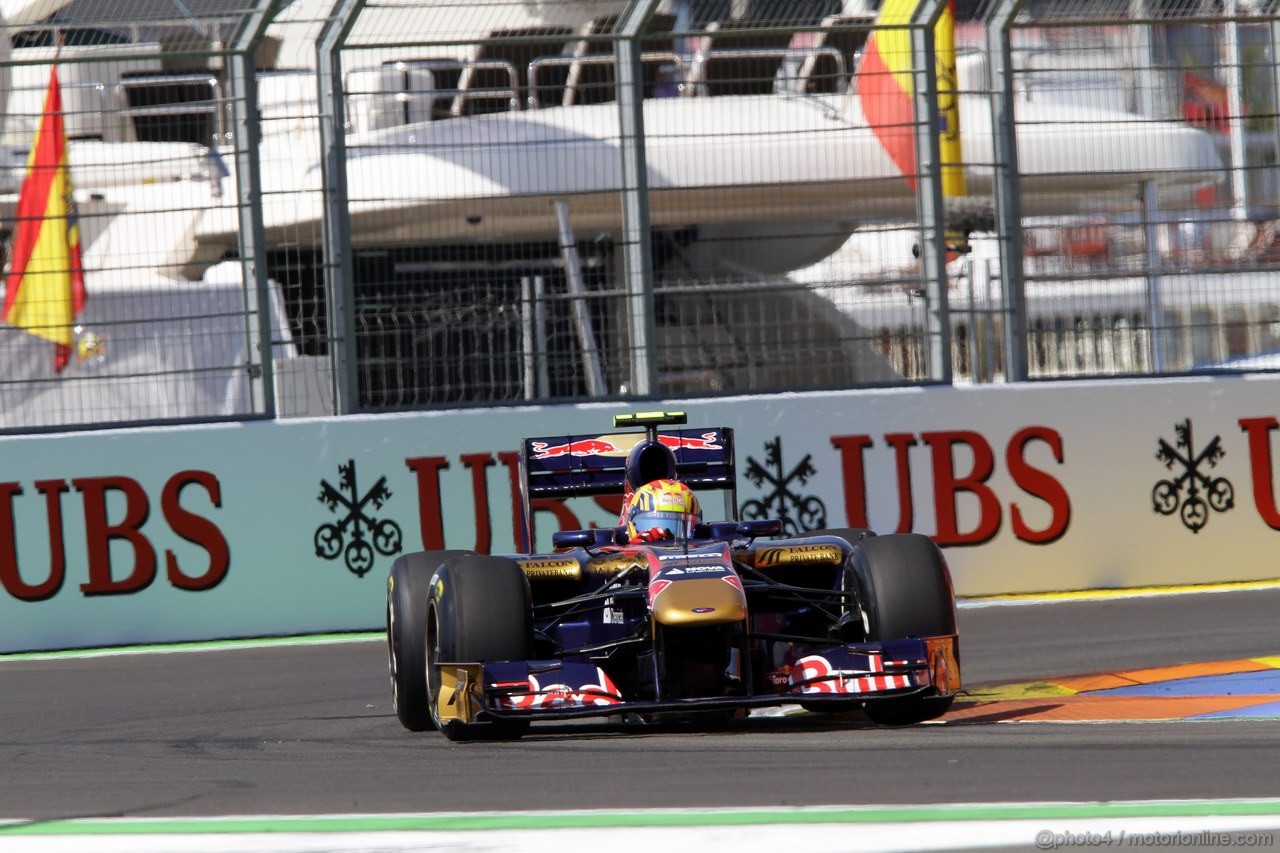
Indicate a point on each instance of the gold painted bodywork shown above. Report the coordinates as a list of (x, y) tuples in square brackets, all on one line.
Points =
[(459, 696), (611, 565), (797, 555), (944, 669), (675, 605)]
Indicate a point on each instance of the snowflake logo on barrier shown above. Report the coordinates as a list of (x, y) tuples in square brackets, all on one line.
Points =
[(1167, 497), (796, 512), (331, 539)]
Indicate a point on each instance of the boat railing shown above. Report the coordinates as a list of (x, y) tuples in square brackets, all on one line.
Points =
[(459, 92), (406, 90), (77, 85), (468, 93), (686, 77), (97, 119), (88, 121), (698, 84), (216, 105), (547, 62), (690, 80), (146, 31)]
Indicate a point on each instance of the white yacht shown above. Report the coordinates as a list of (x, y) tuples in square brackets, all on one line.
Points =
[(466, 169)]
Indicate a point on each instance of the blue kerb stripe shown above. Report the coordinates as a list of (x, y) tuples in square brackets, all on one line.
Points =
[(1267, 709), (1263, 683)]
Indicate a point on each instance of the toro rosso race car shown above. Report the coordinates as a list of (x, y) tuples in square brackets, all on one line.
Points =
[(667, 616)]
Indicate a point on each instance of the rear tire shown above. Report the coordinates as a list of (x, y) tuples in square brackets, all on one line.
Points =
[(479, 611), (407, 591), (906, 592)]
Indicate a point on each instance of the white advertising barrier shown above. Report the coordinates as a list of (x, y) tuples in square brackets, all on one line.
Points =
[(289, 527)]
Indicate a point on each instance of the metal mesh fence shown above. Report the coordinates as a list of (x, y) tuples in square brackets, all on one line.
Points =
[(1169, 262), (493, 131), (293, 208), (475, 230), (148, 105)]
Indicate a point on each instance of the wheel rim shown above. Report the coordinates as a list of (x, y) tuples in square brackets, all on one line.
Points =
[(392, 664), (432, 646)]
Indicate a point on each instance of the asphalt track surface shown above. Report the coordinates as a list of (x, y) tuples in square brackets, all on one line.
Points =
[(309, 730)]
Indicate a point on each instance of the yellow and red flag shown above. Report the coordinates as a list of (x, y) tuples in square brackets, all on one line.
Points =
[(886, 88), (44, 289)]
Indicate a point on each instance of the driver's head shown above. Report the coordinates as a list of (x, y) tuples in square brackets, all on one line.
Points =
[(662, 509)]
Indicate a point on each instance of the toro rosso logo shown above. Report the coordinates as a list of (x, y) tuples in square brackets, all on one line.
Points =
[(603, 446)]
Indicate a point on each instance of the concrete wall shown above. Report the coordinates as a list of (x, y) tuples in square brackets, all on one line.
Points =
[(220, 531)]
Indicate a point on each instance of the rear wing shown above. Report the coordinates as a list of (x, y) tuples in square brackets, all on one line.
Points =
[(567, 466)]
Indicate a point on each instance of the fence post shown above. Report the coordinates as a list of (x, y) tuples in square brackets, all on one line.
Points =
[(1155, 308), (253, 242), (1273, 42), (637, 255), (1235, 116), (933, 243), (1008, 190), (339, 268)]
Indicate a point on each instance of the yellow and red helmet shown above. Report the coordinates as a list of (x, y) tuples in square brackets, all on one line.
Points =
[(662, 509)]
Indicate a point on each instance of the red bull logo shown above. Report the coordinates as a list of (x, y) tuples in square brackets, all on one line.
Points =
[(554, 696), (609, 446), (676, 442), (583, 447)]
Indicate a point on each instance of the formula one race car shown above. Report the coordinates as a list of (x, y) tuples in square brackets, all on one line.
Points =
[(666, 617)]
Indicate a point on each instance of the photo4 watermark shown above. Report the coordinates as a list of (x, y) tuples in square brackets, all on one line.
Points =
[(1047, 839)]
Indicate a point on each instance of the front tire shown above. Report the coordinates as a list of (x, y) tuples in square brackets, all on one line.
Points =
[(407, 592), (480, 610), (906, 592)]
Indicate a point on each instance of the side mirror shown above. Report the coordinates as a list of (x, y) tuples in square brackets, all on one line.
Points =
[(760, 527), (716, 530), (593, 538)]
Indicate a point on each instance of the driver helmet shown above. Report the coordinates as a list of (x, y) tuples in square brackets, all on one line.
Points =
[(662, 509)]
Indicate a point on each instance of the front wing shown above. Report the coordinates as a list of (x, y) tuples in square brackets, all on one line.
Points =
[(835, 674)]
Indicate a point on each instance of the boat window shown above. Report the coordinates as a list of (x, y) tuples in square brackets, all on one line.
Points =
[(1237, 332), (1203, 334), (1268, 329), (1173, 339)]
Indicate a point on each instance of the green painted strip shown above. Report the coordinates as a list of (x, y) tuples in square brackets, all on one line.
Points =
[(202, 646), (647, 818)]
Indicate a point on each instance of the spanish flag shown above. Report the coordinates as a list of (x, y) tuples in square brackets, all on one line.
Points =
[(44, 289), (885, 86)]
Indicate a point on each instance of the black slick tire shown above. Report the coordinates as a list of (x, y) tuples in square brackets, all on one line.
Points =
[(479, 610), (407, 593), (906, 592)]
